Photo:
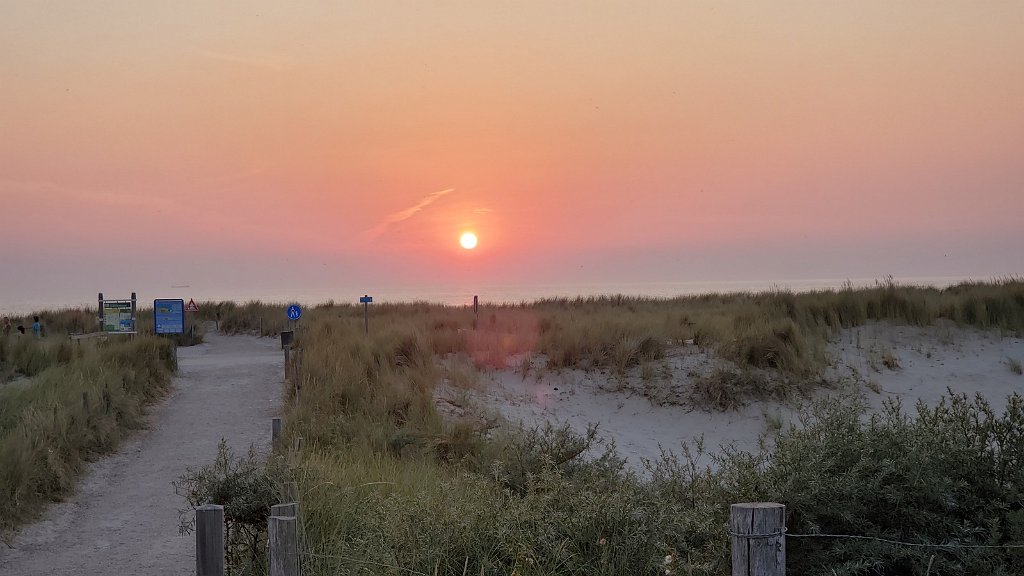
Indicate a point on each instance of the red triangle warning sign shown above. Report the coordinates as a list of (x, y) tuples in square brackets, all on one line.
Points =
[(191, 306)]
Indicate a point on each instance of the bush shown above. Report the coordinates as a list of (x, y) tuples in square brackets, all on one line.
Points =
[(246, 488)]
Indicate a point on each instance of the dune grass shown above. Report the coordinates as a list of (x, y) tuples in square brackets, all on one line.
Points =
[(390, 487), (79, 403)]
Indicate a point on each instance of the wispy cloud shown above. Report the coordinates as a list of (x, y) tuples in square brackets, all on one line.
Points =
[(482, 211), (401, 215)]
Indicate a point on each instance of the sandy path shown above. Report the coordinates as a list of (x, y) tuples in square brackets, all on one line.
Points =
[(124, 517)]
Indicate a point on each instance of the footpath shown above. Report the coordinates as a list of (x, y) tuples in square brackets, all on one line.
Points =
[(123, 519)]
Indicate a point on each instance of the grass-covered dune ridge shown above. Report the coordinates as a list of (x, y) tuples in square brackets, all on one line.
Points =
[(390, 487), (76, 407)]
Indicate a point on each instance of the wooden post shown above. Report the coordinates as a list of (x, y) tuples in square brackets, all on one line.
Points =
[(289, 509), (758, 532), (210, 540), (275, 429), (287, 361), (284, 546)]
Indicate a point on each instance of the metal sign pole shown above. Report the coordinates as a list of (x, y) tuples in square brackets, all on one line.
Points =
[(365, 300)]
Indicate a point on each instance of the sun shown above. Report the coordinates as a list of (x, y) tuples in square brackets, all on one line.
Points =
[(468, 240)]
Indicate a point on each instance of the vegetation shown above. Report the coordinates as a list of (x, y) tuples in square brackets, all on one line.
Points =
[(387, 486), (80, 401), (246, 489)]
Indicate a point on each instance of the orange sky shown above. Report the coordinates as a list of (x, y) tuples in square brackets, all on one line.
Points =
[(583, 141)]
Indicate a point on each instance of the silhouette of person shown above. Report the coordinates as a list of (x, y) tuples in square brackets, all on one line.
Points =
[(37, 328)]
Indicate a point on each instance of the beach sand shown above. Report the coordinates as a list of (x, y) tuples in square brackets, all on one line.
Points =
[(643, 417)]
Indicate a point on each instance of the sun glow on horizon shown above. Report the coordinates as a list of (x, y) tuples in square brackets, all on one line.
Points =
[(468, 240)]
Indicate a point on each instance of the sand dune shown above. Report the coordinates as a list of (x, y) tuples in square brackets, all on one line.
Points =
[(641, 418)]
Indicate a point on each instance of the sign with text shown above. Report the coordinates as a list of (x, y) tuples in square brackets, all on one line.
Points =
[(365, 299), (118, 316), (169, 316)]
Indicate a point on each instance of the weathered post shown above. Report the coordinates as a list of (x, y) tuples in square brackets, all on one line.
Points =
[(210, 540), (275, 429), (289, 509), (284, 546), (758, 533)]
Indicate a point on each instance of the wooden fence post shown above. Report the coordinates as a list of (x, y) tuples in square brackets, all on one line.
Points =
[(758, 533), (289, 509), (275, 429), (210, 540), (284, 546)]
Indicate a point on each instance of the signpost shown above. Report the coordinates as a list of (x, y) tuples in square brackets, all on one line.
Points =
[(365, 300), (117, 316), (476, 311), (192, 306), (169, 316), (294, 312)]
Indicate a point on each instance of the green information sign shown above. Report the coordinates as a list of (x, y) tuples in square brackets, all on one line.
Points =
[(117, 316)]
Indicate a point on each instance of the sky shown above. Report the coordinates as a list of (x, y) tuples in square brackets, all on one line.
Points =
[(232, 145)]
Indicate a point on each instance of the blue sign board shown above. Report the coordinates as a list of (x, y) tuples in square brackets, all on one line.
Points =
[(294, 312), (169, 316), (365, 299)]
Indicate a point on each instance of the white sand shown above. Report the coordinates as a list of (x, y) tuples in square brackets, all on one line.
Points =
[(642, 418), (929, 360)]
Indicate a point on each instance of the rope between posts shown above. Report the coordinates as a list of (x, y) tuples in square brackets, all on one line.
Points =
[(785, 533), (757, 536)]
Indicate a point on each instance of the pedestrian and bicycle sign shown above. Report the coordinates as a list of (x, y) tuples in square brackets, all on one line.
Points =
[(169, 316)]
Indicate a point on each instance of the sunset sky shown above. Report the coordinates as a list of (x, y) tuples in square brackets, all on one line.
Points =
[(350, 144)]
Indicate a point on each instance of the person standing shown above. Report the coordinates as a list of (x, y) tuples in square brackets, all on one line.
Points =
[(37, 328)]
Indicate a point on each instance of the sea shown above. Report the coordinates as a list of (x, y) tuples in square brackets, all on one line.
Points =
[(452, 295)]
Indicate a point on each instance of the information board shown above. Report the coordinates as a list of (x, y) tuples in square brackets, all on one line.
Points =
[(117, 316), (169, 316)]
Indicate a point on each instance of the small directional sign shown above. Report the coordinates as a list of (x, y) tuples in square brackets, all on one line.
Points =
[(365, 299), (294, 312), (191, 306)]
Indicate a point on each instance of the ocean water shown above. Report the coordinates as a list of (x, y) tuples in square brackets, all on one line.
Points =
[(452, 295)]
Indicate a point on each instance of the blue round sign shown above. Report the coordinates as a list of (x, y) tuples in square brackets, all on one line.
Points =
[(294, 312)]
